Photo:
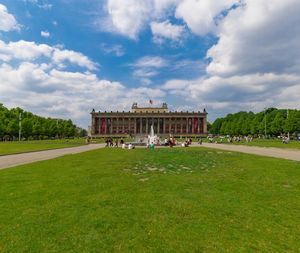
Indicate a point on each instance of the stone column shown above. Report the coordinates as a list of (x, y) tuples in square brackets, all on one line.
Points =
[(147, 126), (111, 126), (180, 125), (164, 125), (99, 125), (129, 120), (117, 129), (141, 126), (187, 126), (134, 125), (204, 125), (158, 125), (123, 125)]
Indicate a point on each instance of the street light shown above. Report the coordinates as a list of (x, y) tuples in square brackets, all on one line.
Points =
[(265, 124), (56, 128), (287, 117), (20, 118)]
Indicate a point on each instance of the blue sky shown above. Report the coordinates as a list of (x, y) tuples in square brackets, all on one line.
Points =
[(63, 58)]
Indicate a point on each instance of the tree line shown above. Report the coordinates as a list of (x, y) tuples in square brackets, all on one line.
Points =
[(32, 126), (273, 121)]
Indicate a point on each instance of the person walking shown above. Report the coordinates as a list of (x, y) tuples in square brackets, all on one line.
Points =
[(116, 142), (200, 141)]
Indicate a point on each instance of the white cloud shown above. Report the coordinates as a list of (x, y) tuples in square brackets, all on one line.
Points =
[(245, 92), (151, 61), (73, 57), (166, 30), (7, 21), (258, 37), (118, 50), (51, 92), (45, 6), (201, 16), (30, 51), (45, 34), (130, 17), (23, 50), (147, 67), (145, 72)]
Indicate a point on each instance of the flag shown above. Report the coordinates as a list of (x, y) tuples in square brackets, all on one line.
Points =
[(150, 101)]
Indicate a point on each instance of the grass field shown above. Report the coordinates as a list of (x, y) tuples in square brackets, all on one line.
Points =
[(13, 148), (271, 143), (161, 200)]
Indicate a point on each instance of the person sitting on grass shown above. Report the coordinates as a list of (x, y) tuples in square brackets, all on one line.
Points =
[(166, 142)]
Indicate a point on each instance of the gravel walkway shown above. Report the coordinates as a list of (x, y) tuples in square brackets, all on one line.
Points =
[(290, 154), (18, 159)]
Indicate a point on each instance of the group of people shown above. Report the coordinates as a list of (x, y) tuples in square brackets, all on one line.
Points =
[(170, 142), (109, 142)]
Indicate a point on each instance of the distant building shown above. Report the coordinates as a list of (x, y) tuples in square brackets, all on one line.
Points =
[(139, 120)]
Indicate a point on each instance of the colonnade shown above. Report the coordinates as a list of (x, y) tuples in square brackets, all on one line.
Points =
[(141, 125)]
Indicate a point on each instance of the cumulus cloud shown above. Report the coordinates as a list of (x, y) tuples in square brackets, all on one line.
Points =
[(258, 37), (130, 17), (255, 61), (25, 50), (7, 21), (51, 92), (45, 34), (166, 30), (202, 16), (81, 60)]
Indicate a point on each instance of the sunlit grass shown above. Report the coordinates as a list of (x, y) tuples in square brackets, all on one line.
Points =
[(161, 200)]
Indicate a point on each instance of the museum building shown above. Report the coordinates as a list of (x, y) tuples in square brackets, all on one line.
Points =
[(138, 122)]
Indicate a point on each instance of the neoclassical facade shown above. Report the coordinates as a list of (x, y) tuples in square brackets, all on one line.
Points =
[(138, 121)]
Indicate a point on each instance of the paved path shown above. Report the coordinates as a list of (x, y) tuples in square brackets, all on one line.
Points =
[(18, 159), (290, 154)]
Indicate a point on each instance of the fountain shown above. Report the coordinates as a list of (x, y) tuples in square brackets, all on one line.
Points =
[(152, 139)]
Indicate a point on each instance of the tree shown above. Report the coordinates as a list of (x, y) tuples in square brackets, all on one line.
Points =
[(82, 133), (27, 127), (277, 124)]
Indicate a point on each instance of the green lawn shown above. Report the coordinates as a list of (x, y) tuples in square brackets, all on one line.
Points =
[(142, 200), (272, 143), (13, 148)]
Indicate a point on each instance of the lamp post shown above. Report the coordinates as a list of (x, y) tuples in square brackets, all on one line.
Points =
[(56, 128), (287, 118), (265, 123), (20, 118)]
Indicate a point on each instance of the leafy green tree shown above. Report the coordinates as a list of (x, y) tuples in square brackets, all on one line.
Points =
[(82, 133), (277, 124), (26, 127)]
